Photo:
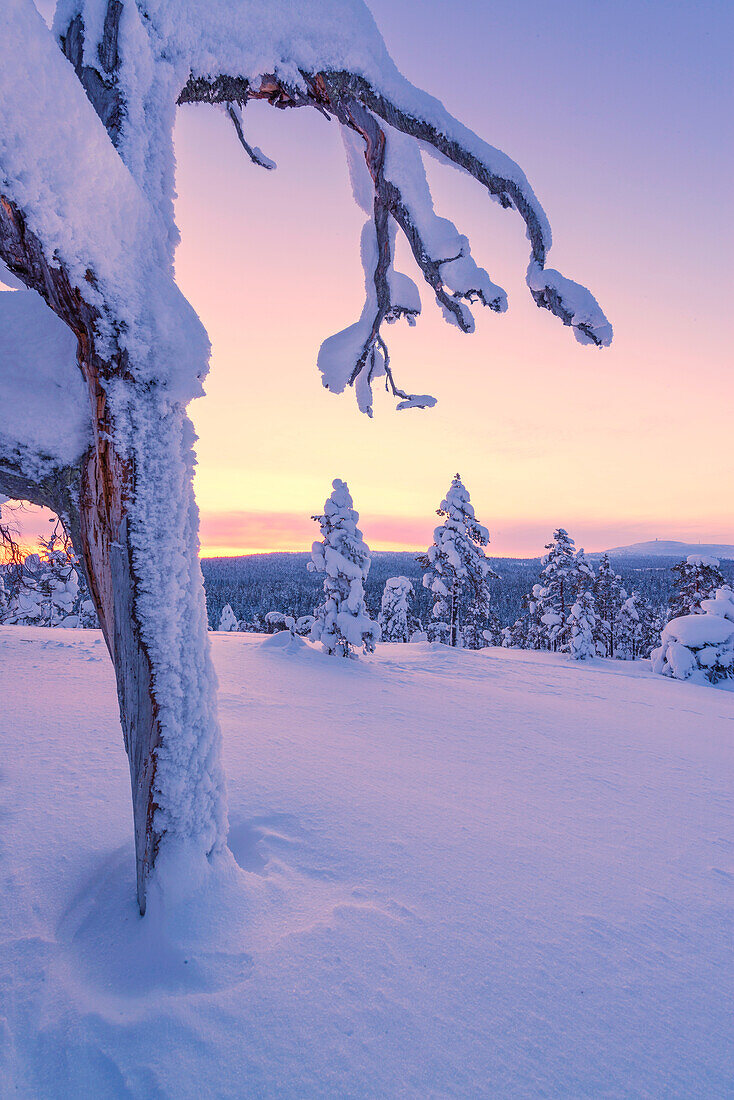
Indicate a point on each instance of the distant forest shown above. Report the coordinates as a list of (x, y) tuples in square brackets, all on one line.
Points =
[(258, 583)]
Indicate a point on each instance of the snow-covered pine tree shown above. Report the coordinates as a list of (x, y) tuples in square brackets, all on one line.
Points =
[(696, 579), (565, 574), (228, 619), (458, 571), (609, 596), (535, 632), (629, 629), (581, 623), (395, 610), (341, 622)]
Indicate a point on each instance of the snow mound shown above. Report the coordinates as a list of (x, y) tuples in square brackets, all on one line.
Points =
[(284, 642)]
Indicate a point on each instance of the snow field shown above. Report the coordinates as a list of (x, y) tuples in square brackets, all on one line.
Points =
[(468, 874)]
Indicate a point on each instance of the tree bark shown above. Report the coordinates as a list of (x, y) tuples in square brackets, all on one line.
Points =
[(99, 506)]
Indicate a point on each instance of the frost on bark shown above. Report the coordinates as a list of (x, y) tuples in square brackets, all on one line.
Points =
[(128, 499)]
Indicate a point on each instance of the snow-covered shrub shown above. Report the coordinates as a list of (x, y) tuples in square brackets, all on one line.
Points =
[(303, 626), (228, 619), (395, 609), (699, 646), (341, 622), (696, 579), (48, 591), (582, 622), (276, 621), (458, 571), (438, 632)]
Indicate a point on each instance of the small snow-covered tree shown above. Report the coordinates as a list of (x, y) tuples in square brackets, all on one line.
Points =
[(227, 620), (87, 222), (458, 571), (699, 646), (629, 629), (696, 579), (395, 610), (341, 622), (609, 595), (565, 574), (581, 623), (535, 633)]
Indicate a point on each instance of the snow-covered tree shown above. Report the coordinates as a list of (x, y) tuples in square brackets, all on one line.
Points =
[(581, 623), (86, 221), (565, 574), (49, 589), (699, 646), (696, 579), (228, 619), (609, 595), (395, 610), (535, 631), (629, 629), (341, 622), (458, 571)]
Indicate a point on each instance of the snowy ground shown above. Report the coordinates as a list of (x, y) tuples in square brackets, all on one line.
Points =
[(466, 874)]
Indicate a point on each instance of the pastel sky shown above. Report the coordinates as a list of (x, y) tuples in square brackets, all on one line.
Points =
[(620, 114)]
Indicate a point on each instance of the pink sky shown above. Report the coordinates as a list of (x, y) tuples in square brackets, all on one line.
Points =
[(622, 141)]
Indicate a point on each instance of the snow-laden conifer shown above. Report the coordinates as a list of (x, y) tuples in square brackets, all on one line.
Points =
[(696, 579), (395, 609), (228, 619), (630, 629), (581, 623), (535, 631), (458, 571), (609, 596), (565, 574), (341, 621)]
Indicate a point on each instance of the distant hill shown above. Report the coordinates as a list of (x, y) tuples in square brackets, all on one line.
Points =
[(662, 548)]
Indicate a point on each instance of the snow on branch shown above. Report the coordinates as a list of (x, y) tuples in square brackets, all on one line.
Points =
[(330, 56), (400, 198)]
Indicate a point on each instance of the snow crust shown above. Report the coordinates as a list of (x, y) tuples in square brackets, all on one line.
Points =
[(44, 417), (516, 882)]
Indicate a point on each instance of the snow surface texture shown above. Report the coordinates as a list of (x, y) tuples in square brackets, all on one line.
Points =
[(460, 874), (700, 647), (44, 409)]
